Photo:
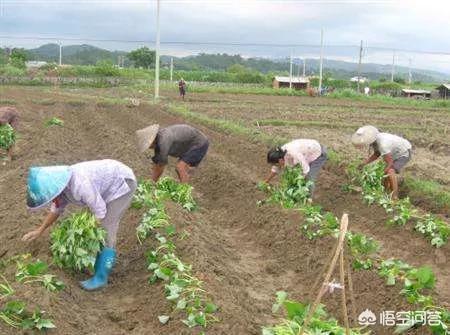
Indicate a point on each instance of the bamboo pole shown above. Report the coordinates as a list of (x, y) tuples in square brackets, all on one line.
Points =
[(344, 298), (350, 288), (343, 231)]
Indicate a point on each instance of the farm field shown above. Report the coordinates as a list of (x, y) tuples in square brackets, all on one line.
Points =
[(242, 252)]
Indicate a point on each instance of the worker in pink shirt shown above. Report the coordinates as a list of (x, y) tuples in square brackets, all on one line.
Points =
[(307, 154)]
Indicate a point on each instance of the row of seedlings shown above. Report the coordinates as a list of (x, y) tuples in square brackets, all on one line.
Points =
[(182, 288), (292, 192), (15, 312), (369, 182)]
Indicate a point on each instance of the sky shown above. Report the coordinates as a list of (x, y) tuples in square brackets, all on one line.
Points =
[(272, 28)]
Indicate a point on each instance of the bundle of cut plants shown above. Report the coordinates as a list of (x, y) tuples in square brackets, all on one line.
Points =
[(76, 241), (7, 136)]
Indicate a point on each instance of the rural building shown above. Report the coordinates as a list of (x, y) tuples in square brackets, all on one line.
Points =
[(444, 91), (360, 79), (298, 83), (34, 64), (418, 94)]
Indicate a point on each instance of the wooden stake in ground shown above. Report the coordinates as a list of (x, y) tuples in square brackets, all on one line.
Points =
[(322, 290)]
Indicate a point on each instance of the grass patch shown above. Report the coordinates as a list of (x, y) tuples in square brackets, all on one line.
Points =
[(226, 126), (44, 102), (388, 100), (337, 125), (428, 190), (76, 103), (8, 102)]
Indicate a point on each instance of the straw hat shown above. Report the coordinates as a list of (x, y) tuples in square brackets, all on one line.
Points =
[(365, 135), (146, 136), (45, 183)]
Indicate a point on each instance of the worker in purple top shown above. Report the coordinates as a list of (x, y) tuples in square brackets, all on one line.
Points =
[(106, 187), (9, 115)]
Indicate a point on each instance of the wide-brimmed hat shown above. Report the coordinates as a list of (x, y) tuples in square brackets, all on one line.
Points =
[(365, 135), (45, 183), (146, 136)]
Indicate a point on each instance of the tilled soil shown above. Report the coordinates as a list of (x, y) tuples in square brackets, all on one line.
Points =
[(242, 252)]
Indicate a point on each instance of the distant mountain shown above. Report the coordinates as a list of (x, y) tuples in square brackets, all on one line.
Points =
[(335, 68), (90, 55), (74, 54)]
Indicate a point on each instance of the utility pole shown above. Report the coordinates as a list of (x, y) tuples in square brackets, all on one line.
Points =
[(393, 66), (290, 71), (298, 69), (157, 53), (359, 63), (60, 53), (171, 68), (409, 72), (321, 61), (304, 67)]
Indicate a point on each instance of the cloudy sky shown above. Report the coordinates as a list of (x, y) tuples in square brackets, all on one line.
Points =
[(270, 27)]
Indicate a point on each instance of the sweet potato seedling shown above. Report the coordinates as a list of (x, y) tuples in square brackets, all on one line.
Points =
[(7, 136), (36, 272), (15, 314)]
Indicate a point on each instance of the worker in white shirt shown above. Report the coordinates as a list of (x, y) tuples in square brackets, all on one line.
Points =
[(395, 150)]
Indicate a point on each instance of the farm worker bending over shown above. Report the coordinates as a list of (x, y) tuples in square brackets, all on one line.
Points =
[(106, 187), (395, 150), (9, 115), (182, 141), (309, 154)]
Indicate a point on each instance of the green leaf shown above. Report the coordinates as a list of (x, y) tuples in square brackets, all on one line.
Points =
[(294, 309), (163, 319), (210, 308), (45, 324)]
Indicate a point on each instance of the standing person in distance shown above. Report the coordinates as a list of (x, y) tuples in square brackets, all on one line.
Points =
[(182, 88)]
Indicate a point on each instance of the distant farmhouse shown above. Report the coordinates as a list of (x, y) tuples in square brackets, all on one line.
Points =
[(298, 83), (360, 79), (416, 94), (444, 91), (34, 64)]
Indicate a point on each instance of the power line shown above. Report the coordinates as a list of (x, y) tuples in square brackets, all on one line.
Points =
[(176, 42), (214, 43)]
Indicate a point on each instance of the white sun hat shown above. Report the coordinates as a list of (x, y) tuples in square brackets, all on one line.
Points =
[(146, 136), (365, 135)]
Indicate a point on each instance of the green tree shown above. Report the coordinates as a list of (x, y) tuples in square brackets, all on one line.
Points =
[(106, 68), (142, 57), (18, 58), (237, 68)]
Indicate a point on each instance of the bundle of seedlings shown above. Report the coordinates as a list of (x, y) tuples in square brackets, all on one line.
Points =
[(76, 241), (7, 136)]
